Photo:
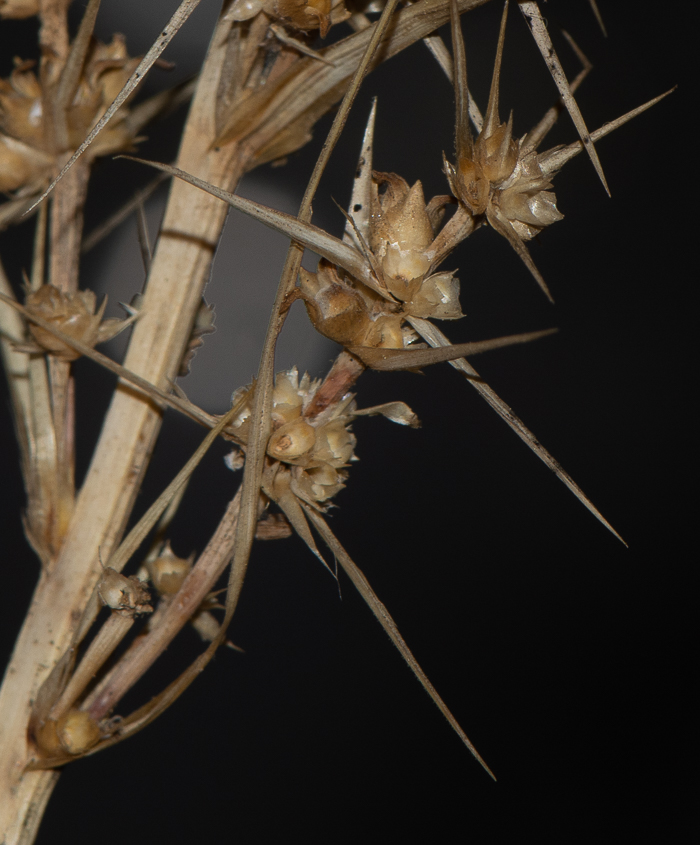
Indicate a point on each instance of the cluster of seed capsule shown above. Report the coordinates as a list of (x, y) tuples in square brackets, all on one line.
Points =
[(302, 15), (306, 455), (30, 153)]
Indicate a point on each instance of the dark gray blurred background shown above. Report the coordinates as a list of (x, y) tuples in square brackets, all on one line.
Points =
[(565, 656)]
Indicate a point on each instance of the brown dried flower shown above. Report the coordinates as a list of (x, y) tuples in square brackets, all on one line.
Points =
[(18, 8), (74, 315), (402, 249), (124, 595), (302, 15), (402, 237), (313, 451), (29, 150), (495, 176)]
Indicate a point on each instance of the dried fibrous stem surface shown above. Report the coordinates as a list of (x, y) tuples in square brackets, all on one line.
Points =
[(179, 270)]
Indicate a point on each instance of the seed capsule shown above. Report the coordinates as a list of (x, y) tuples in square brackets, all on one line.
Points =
[(168, 571), (74, 733), (77, 732), (291, 441)]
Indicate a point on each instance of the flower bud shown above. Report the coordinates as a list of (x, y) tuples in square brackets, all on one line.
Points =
[(168, 571), (74, 733), (77, 732), (124, 595)]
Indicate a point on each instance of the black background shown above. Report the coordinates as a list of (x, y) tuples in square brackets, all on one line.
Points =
[(566, 657)]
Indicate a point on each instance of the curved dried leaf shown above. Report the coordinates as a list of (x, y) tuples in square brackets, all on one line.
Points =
[(436, 338), (409, 359), (397, 412), (386, 621), (297, 230), (537, 25)]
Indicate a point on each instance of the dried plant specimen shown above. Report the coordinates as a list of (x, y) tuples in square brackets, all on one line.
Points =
[(388, 272)]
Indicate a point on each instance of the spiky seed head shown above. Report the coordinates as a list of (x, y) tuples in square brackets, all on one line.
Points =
[(29, 156), (74, 315), (306, 453)]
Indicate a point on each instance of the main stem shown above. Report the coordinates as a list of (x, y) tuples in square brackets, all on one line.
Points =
[(180, 269)]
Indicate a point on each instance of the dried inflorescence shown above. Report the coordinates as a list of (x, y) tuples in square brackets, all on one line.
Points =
[(495, 176), (29, 148), (301, 15), (402, 239), (19, 8), (403, 248), (72, 314), (126, 596), (307, 456)]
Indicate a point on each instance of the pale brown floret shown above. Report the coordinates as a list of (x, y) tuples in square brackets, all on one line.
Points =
[(348, 312), (124, 595), (404, 242), (72, 314), (29, 151), (495, 176), (74, 733), (301, 15), (403, 250), (18, 8)]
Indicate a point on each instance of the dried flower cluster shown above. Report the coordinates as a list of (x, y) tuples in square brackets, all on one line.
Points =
[(403, 250), (19, 8), (308, 452), (302, 15), (495, 176), (30, 151), (72, 314)]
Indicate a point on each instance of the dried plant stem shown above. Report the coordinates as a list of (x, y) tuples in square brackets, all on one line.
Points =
[(16, 366), (53, 35), (150, 646), (107, 639), (67, 205), (179, 271)]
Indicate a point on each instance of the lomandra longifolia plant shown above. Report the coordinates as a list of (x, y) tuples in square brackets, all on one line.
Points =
[(110, 601)]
